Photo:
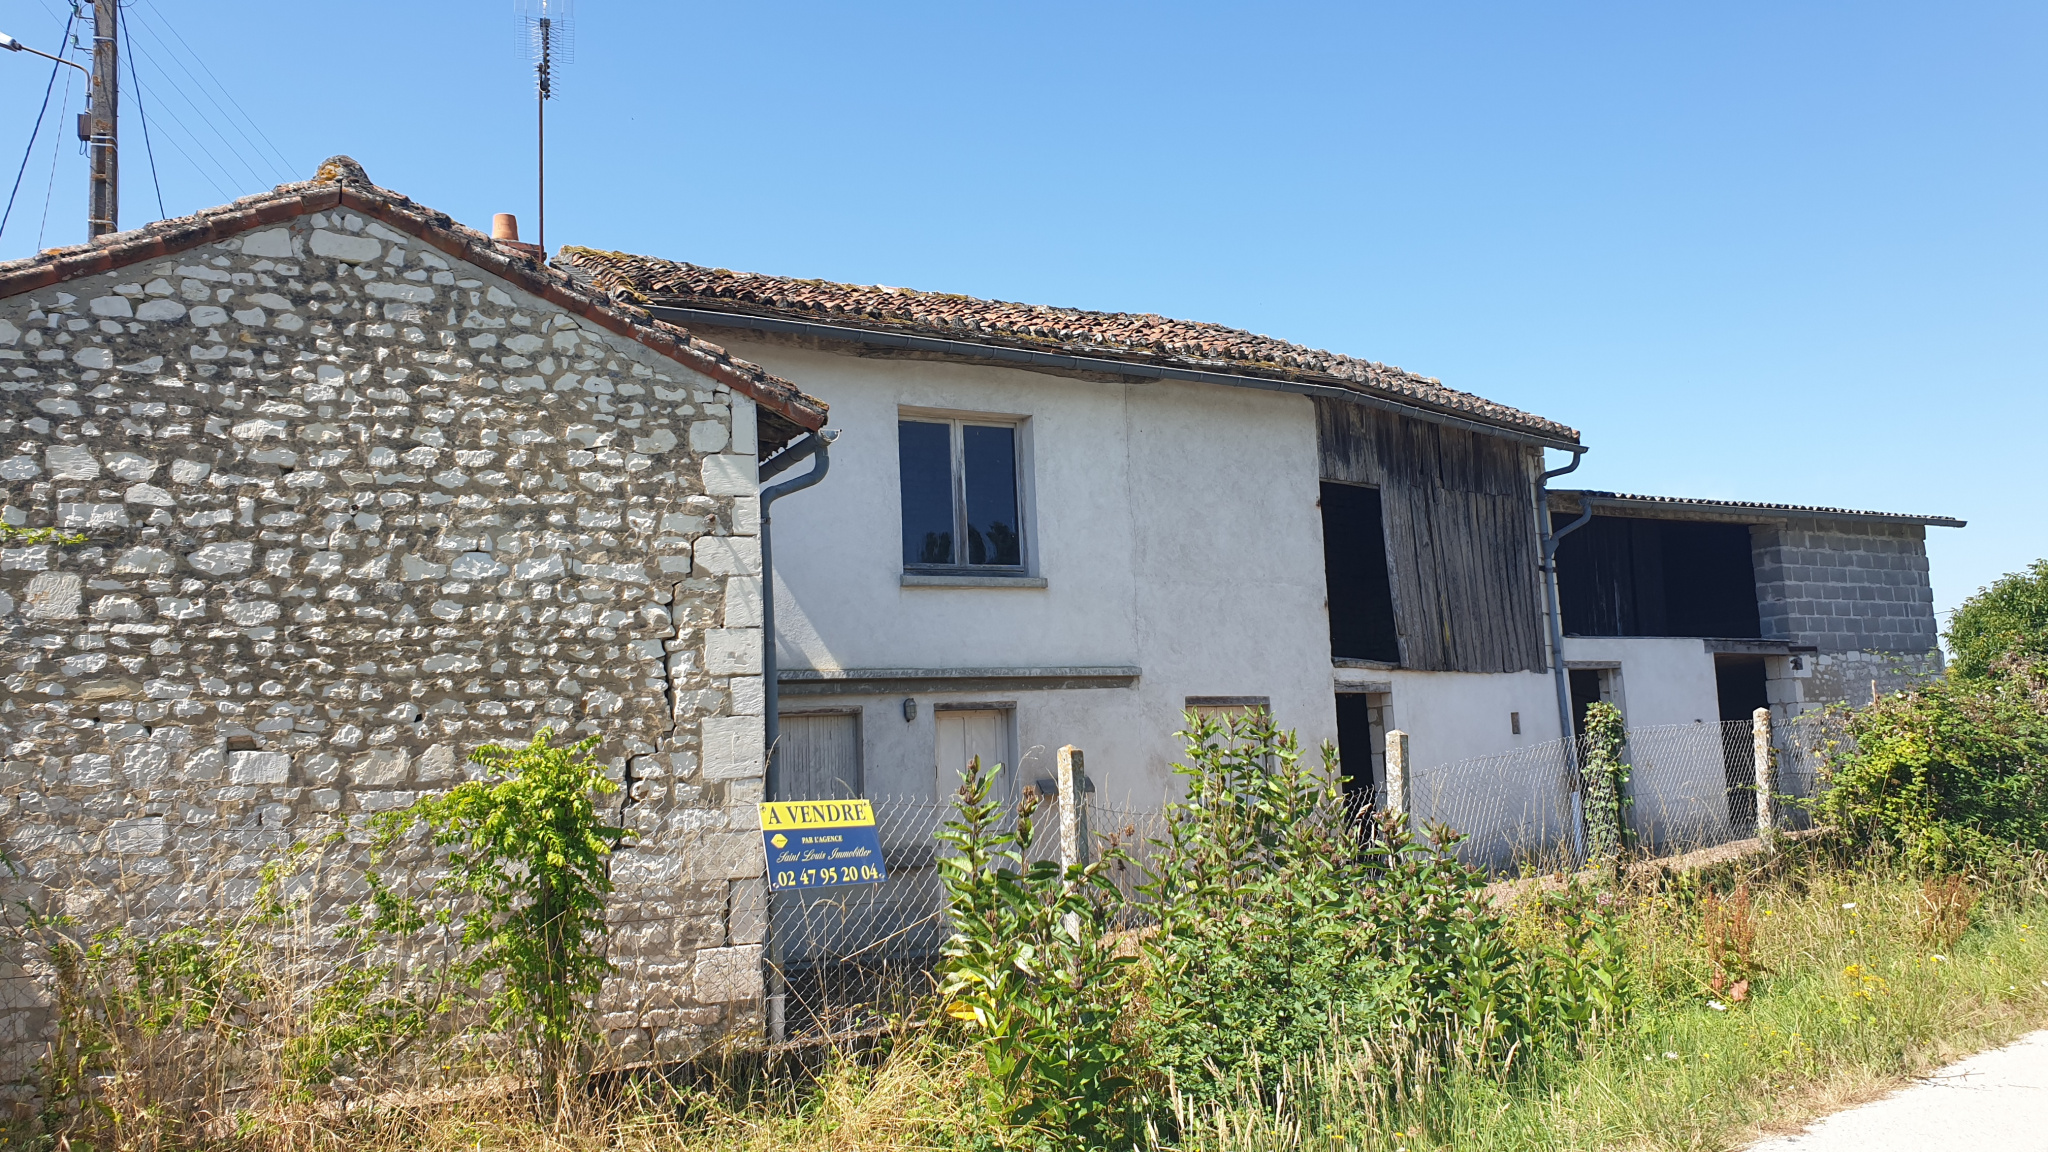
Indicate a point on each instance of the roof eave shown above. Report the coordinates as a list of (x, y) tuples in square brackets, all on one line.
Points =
[(290, 201), (691, 310), (1572, 500)]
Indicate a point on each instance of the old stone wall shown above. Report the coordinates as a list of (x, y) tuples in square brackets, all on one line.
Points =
[(352, 508)]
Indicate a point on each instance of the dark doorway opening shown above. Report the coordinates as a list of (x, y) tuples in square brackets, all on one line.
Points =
[(1739, 682), (1361, 593), (1361, 746), (1589, 687)]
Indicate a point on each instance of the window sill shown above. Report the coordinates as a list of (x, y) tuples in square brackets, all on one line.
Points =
[(950, 580)]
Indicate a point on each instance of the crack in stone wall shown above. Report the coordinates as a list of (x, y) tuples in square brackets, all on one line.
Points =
[(354, 508)]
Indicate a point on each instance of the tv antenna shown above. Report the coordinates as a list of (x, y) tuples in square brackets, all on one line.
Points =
[(547, 35)]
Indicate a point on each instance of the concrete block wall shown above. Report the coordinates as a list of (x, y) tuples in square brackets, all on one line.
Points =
[(354, 507), (1845, 586), (1858, 594)]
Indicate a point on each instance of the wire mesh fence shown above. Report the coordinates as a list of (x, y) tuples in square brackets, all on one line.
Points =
[(1805, 746), (1690, 786), (841, 959), (1518, 810)]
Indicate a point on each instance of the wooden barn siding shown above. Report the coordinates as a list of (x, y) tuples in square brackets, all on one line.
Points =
[(1461, 538)]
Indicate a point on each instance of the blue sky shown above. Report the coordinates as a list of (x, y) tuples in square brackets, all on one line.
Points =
[(1779, 251)]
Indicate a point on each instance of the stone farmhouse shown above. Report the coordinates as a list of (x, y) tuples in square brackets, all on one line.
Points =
[(363, 488)]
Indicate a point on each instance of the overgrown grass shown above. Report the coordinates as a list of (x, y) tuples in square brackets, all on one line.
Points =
[(1858, 976), (1860, 983)]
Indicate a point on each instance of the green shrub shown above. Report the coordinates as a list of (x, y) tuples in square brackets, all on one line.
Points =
[(1286, 926), (2007, 621), (1953, 774), (528, 867), (1033, 977)]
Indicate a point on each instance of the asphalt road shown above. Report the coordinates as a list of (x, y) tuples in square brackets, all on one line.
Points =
[(1993, 1102)]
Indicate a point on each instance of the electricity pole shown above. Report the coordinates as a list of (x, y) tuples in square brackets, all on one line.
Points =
[(104, 217)]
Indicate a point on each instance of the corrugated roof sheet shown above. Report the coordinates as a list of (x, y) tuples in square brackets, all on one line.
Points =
[(1575, 495), (1132, 337)]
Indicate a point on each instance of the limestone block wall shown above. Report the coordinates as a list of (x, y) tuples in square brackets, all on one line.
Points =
[(354, 507)]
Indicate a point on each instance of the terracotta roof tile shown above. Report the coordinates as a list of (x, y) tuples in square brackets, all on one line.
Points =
[(341, 183), (1125, 336)]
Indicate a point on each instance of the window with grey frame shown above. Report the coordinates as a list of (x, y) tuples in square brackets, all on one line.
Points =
[(961, 484)]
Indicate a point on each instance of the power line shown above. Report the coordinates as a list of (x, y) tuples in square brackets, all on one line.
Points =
[(38, 129), (284, 166), (200, 113), (226, 178), (62, 107), (204, 173), (147, 147)]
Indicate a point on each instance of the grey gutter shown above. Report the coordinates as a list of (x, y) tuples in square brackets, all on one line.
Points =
[(969, 349)]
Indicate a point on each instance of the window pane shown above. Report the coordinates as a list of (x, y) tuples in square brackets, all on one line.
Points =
[(992, 536), (925, 455)]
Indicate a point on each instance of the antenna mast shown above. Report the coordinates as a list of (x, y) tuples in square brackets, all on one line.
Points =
[(547, 29), (103, 218)]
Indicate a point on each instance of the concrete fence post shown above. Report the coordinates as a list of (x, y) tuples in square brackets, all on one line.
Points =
[(1766, 774), (1073, 783), (1398, 775)]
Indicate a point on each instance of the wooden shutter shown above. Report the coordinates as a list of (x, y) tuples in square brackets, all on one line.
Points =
[(965, 734), (820, 757)]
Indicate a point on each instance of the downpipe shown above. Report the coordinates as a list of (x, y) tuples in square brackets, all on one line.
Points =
[(1552, 536), (817, 444)]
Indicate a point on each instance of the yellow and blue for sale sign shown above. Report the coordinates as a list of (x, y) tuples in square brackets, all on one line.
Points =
[(821, 843)]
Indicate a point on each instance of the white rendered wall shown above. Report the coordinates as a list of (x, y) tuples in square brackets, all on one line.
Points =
[(1176, 527), (1452, 716), (1663, 680), (1678, 784)]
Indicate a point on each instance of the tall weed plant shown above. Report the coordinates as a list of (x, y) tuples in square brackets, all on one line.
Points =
[(165, 1030), (1286, 924), (1032, 977), (176, 1028)]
